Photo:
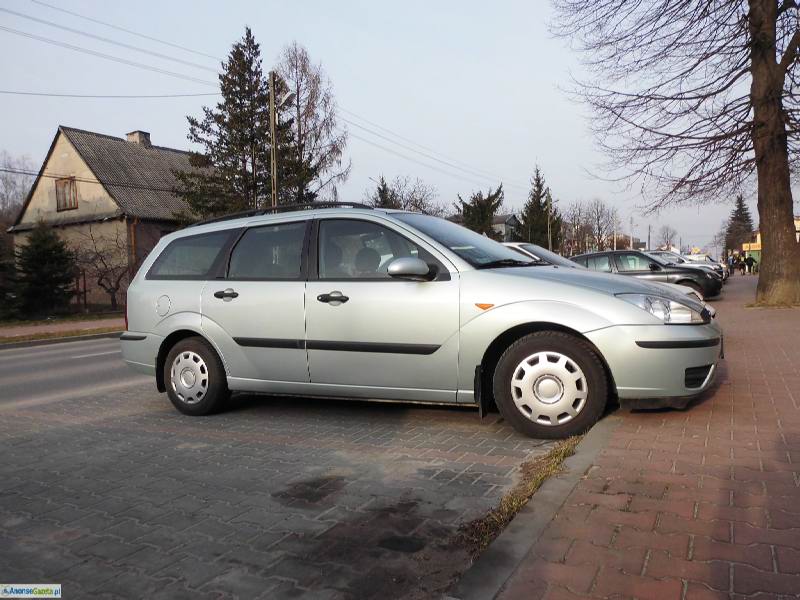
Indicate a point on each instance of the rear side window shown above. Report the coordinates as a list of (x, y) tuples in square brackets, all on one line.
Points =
[(269, 252), (191, 257)]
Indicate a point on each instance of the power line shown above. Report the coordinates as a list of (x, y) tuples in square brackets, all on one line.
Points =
[(429, 156), (105, 56), (419, 162), (118, 28), (104, 96), (109, 41), (123, 184), (410, 141)]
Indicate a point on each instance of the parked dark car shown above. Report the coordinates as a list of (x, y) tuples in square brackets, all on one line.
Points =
[(640, 265)]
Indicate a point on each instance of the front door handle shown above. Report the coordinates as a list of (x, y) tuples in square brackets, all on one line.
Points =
[(227, 294), (334, 298)]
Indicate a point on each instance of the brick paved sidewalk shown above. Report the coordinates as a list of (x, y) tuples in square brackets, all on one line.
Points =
[(701, 503), (61, 326)]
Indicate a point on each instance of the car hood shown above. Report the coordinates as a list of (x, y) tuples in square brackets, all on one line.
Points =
[(601, 282)]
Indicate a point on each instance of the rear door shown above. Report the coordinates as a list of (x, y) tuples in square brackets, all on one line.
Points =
[(255, 313), (382, 337)]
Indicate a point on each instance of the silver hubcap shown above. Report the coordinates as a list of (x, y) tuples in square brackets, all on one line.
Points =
[(189, 377), (549, 388)]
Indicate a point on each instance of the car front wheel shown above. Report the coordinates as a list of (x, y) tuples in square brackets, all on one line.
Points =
[(195, 378), (550, 384)]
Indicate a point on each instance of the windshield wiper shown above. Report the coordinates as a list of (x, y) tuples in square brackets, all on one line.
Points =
[(507, 262)]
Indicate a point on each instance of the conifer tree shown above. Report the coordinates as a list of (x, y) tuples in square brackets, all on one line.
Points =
[(232, 170), (478, 212), (45, 272), (740, 226)]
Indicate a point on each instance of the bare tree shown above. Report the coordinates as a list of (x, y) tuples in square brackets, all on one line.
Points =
[(694, 100), (600, 222), (104, 259), (666, 236), (15, 182), (318, 142), (405, 193)]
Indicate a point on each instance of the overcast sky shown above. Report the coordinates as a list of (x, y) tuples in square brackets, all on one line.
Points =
[(475, 82)]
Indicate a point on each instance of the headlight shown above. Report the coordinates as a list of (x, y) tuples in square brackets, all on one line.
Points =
[(669, 311)]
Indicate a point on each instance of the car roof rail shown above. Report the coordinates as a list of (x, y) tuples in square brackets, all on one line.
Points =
[(281, 208)]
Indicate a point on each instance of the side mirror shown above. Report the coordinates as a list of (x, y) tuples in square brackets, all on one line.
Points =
[(654, 267), (411, 268)]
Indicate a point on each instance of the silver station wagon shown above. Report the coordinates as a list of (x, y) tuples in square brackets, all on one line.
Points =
[(346, 301)]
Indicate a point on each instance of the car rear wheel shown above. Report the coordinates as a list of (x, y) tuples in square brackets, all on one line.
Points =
[(550, 384), (195, 378)]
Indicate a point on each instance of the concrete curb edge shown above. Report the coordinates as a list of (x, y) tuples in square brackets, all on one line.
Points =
[(487, 575), (59, 340)]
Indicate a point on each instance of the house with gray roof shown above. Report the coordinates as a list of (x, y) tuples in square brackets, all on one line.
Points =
[(101, 189)]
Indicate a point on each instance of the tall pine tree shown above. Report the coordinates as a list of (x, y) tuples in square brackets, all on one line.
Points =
[(45, 273), (740, 226), (479, 211), (232, 171), (533, 225)]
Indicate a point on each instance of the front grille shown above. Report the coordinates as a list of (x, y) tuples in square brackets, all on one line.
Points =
[(695, 376)]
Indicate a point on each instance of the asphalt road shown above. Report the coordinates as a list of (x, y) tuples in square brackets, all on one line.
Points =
[(57, 372)]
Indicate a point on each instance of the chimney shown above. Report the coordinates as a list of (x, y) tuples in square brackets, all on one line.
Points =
[(139, 137)]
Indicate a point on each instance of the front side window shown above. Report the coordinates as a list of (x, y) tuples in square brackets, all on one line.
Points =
[(269, 252), (190, 257), (633, 262), (352, 249), (66, 194)]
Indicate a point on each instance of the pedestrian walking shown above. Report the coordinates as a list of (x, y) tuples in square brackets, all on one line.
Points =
[(742, 266), (750, 262)]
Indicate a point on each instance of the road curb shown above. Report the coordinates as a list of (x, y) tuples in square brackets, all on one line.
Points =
[(495, 566), (59, 340)]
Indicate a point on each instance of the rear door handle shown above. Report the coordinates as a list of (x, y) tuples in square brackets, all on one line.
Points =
[(227, 294), (335, 298)]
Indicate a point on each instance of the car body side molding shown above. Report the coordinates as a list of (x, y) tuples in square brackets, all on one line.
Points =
[(380, 347)]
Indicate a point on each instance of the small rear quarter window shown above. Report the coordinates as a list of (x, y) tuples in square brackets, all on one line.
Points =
[(190, 257)]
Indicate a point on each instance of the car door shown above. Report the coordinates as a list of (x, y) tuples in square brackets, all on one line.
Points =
[(255, 314), (639, 265), (370, 335)]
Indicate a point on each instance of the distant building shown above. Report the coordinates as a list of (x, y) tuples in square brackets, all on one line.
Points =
[(753, 247), (119, 189), (505, 225)]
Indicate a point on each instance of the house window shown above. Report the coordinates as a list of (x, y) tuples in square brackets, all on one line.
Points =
[(66, 194)]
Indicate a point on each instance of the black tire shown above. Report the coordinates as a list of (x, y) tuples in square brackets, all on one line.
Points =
[(574, 349), (210, 398)]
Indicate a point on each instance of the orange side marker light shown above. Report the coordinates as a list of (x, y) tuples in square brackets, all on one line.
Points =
[(483, 306)]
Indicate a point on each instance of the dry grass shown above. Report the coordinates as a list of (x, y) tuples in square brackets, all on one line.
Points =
[(478, 534), (56, 334)]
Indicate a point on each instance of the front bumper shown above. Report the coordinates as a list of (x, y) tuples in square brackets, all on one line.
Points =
[(660, 361)]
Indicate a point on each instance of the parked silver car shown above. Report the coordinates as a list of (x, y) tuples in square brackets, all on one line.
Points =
[(377, 304)]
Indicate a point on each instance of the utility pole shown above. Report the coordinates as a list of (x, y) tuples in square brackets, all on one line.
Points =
[(273, 152), (680, 245), (648, 236), (548, 201), (630, 246)]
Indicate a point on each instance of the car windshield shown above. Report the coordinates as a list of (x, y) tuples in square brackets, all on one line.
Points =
[(550, 257), (478, 250), (661, 260)]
